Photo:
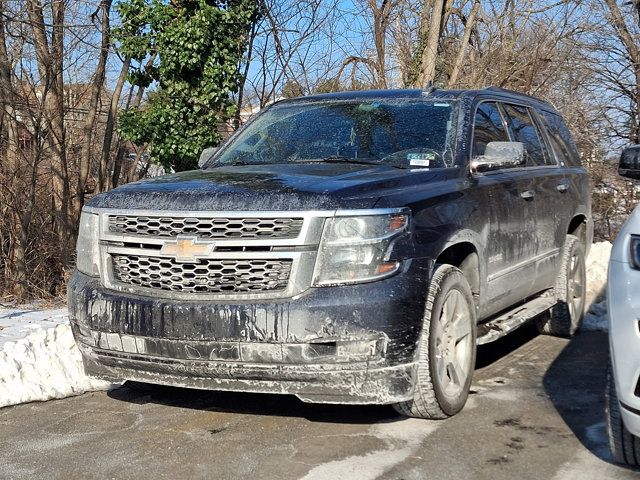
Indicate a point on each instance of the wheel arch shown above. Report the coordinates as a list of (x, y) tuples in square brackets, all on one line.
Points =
[(465, 255), (578, 228)]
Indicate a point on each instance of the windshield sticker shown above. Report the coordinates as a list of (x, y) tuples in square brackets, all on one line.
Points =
[(420, 159), (419, 163)]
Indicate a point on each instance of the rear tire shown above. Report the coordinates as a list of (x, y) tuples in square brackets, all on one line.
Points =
[(446, 349), (565, 317), (625, 447)]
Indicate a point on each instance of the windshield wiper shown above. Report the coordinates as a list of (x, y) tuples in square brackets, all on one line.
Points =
[(329, 159), (340, 159), (231, 164)]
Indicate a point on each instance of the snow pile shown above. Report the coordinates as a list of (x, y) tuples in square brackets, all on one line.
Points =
[(597, 268), (596, 317), (17, 323), (39, 359)]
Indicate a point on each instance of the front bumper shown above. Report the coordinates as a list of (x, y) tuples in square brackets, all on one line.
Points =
[(624, 336), (353, 384), (348, 344)]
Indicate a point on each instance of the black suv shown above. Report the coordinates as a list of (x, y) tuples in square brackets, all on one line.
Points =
[(344, 248)]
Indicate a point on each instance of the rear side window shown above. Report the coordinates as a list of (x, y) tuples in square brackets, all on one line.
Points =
[(561, 138), (488, 127), (523, 129)]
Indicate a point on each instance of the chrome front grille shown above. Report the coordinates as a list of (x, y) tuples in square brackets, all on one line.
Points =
[(249, 255), (202, 276), (202, 227)]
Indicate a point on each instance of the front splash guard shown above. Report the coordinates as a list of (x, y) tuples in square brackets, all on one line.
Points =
[(361, 383)]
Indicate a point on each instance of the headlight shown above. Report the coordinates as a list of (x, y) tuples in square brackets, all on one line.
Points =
[(634, 254), (356, 249), (87, 247)]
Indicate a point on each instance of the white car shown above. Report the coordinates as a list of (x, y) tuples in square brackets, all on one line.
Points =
[(623, 292)]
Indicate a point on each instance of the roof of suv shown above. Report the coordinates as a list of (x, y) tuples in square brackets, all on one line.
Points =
[(502, 93)]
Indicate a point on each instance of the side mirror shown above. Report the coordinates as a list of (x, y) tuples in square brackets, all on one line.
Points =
[(206, 155), (499, 155), (630, 163)]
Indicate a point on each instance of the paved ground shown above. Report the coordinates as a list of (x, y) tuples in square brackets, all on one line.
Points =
[(536, 412)]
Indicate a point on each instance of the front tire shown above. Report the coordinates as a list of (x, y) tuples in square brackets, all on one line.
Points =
[(446, 349), (625, 447), (565, 317)]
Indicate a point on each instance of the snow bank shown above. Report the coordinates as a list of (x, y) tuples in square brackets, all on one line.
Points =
[(38, 357), (596, 317), (597, 267)]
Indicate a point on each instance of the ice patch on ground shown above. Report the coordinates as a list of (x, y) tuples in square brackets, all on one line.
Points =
[(403, 439), (39, 359), (596, 318), (586, 466)]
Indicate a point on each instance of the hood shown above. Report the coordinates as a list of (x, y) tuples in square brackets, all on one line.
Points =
[(317, 186)]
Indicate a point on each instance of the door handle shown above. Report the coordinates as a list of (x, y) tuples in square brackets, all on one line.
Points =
[(562, 187), (528, 194)]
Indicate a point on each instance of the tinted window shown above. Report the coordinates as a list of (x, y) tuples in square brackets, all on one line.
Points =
[(630, 159), (402, 133), (488, 127), (523, 130), (561, 139)]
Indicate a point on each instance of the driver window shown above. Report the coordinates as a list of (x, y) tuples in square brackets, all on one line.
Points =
[(488, 127)]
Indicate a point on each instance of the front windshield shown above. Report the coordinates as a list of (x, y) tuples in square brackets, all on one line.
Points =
[(401, 133)]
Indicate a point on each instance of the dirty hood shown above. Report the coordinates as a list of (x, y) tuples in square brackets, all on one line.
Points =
[(265, 187)]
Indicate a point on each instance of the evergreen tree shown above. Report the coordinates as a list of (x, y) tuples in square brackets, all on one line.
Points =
[(190, 49)]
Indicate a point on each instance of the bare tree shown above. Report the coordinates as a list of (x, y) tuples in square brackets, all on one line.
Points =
[(382, 16), (54, 58), (97, 87), (429, 55), (49, 56), (112, 113), (287, 45), (15, 266), (469, 23), (626, 30)]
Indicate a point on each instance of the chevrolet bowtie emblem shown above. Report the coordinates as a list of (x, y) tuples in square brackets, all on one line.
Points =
[(187, 249)]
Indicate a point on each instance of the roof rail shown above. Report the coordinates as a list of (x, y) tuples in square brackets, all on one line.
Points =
[(493, 88)]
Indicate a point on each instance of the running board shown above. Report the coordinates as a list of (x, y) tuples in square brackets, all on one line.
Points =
[(508, 322)]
